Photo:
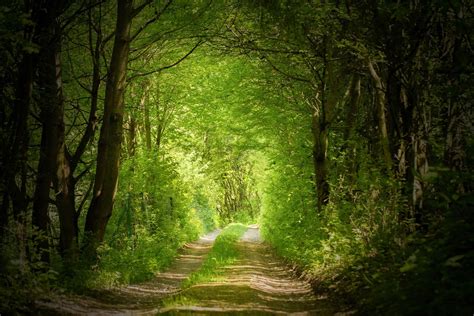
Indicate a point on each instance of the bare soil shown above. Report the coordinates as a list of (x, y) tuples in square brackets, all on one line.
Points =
[(137, 299), (258, 283)]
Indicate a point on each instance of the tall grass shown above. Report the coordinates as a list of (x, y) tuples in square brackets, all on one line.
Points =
[(223, 252)]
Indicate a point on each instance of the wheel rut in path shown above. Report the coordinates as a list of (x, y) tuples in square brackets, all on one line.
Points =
[(258, 283), (138, 299)]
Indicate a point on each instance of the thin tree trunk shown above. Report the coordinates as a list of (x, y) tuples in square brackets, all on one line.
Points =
[(14, 156), (65, 202), (110, 140), (132, 131), (381, 118), (320, 148), (354, 96), (18, 147), (146, 115), (159, 136), (51, 105), (65, 184), (421, 169), (321, 120)]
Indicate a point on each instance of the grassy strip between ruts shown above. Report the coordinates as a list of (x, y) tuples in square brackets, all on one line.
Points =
[(223, 252)]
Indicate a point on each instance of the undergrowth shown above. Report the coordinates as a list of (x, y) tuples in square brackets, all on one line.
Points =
[(154, 215), (360, 250)]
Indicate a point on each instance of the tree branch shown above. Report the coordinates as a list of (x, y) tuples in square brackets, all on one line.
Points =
[(285, 73), (150, 21), (143, 74)]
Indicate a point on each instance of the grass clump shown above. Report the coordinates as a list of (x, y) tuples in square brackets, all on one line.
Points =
[(223, 252)]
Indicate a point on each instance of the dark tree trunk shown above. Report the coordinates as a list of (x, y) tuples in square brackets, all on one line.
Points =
[(381, 116), (320, 149), (19, 148), (65, 202), (110, 140), (51, 107), (351, 116), (322, 117), (65, 184)]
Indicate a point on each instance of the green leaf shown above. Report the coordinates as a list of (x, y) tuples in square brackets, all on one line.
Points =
[(453, 261)]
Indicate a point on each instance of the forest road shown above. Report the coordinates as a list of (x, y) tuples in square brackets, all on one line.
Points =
[(137, 299), (258, 283)]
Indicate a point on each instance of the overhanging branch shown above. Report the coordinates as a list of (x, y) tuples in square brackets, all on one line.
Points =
[(143, 74), (285, 73)]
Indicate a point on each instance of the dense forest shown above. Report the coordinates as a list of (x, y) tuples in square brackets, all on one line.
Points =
[(343, 128)]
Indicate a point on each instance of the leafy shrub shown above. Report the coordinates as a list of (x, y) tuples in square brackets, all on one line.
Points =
[(23, 276), (153, 217)]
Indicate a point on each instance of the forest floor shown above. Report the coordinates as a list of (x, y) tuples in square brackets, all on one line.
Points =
[(258, 283)]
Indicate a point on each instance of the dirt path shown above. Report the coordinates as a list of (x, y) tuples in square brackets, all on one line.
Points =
[(139, 299), (259, 283)]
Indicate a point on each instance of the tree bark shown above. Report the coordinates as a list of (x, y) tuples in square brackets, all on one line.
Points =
[(320, 148), (146, 115), (132, 132), (354, 96), (14, 154), (51, 109), (65, 182), (322, 117), (108, 157), (381, 118), (18, 146), (65, 201)]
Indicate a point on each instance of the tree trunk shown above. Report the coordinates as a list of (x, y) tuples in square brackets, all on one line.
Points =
[(65, 202), (320, 148), (159, 136), (322, 117), (108, 157), (65, 184), (351, 116), (381, 118), (132, 131), (146, 115), (421, 169), (51, 106), (15, 156)]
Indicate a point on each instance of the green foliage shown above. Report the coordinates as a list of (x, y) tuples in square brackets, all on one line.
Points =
[(23, 276), (223, 252), (153, 217), (216, 147), (289, 220), (207, 215), (152, 197)]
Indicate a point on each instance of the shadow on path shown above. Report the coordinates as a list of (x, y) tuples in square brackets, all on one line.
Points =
[(259, 283), (138, 299)]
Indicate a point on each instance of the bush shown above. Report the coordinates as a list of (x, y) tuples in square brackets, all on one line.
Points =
[(153, 217)]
